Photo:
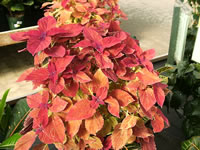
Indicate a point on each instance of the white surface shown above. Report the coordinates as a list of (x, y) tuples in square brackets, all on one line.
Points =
[(196, 51), (150, 22)]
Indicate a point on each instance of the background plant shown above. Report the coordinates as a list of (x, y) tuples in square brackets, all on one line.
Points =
[(11, 121), (16, 6), (99, 87), (184, 81)]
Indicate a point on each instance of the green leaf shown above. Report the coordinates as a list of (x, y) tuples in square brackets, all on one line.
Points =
[(5, 118), (191, 108), (10, 142), (191, 144), (196, 74), (191, 126), (19, 113), (165, 69), (29, 2), (17, 7), (3, 103), (177, 100)]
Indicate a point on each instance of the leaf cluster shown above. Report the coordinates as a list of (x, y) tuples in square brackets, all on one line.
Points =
[(100, 89)]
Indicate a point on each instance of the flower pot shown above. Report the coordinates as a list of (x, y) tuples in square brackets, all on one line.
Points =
[(16, 22)]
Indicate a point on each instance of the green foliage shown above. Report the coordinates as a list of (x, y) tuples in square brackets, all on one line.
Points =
[(3, 104), (16, 5), (191, 144), (184, 82), (9, 143), (11, 121), (19, 113)]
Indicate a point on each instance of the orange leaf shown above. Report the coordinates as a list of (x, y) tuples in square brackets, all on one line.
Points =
[(58, 104), (95, 143), (81, 110), (54, 132), (94, 124), (147, 77), (83, 133), (123, 97), (147, 98), (41, 147), (26, 141), (158, 123), (113, 106), (129, 122), (71, 145), (82, 77), (73, 127), (100, 80), (120, 137)]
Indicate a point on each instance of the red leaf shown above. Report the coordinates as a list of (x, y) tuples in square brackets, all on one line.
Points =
[(34, 100), (164, 118), (83, 44), (129, 122), (56, 51), (75, 113), (142, 131), (95, 38), (38, 75), (62, 63), (72, 30), (115, 50), (82, 77), (54, 132), (159, 94), (47, 23), (110, 41), (147, 77), (35, 44), (58, 104), (57, 87), (26, 141), (110, 74), (19, 36), (122, 97), (150, 145), (94, 124), (103, 61), (157, 123), (39, 58), (73, 127), (71, 89), (149, 54), (113, 106), (147, 98), (25, 74)]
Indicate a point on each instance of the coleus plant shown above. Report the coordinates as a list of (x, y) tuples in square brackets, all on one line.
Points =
[(99, 89)]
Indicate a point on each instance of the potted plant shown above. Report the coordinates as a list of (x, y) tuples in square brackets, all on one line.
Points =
[(16, 11), (99, 87)]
